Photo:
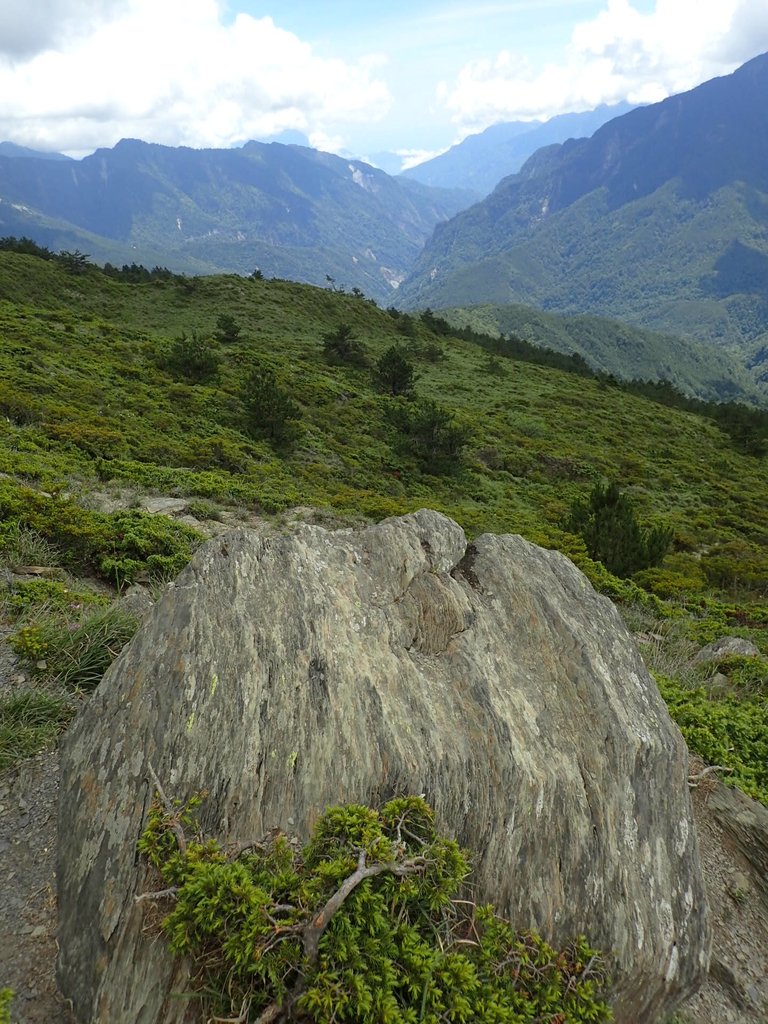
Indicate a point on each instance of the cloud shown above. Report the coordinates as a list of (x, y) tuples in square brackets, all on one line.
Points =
[(413, 157), (24, 32), (621, 54), (174, 73)]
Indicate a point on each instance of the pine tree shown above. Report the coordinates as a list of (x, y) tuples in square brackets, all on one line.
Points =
[(394, 373), (270, 411), (608, 524)]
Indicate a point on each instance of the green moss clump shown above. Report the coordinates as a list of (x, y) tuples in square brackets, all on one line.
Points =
[(363, 926), (6, 998)]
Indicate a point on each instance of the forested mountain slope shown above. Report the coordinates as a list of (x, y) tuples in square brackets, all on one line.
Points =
[(660, 219)]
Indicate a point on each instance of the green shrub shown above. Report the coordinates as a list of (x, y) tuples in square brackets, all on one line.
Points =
[(433, 435), (729, 730), (96, 441), (362, 927), (669, 583), (193, 357), (26, 595), (121, 546), (394, 373), (227, 329), (340, 347), (140, 545), (748, 674), (269, 410), (733, 565)]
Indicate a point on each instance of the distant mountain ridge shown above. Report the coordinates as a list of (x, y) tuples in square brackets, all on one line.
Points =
[(291, 211), (10, 149), (660, 219), (480, 161)]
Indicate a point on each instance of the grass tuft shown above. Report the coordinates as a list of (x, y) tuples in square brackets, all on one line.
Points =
[(30, 721)]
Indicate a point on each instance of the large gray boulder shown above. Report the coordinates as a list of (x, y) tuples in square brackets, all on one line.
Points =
[(287, 673)]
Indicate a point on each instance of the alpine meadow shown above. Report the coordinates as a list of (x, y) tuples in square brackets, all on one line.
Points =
[(384, 561)]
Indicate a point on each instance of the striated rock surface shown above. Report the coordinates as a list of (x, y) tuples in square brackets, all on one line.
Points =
[(287, 673)]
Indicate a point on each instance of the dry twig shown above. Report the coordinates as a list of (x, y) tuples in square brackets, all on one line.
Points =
[(170, 810)]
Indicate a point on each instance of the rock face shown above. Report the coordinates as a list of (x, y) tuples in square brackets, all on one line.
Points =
[(288, 673)]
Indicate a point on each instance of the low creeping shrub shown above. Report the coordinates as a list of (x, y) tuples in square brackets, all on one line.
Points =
[(121, 546), (729, 730), (363, 926)]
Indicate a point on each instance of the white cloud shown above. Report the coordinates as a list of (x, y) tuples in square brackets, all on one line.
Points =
[(173, 72), (413, 157), (622, 54)]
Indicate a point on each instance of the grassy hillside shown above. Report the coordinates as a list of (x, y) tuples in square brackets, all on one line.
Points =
[(92, 398), (626, 352)]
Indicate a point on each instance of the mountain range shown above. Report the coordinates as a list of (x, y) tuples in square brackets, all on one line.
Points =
[(288, 210), (480, 161), (659, 219), (279, 206)]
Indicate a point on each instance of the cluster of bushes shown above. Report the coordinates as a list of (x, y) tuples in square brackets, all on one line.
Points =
[(728, 729), (120, 546), (745, 425), (364, 925)]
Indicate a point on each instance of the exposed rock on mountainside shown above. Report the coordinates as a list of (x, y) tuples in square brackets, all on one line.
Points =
[(286, 673)]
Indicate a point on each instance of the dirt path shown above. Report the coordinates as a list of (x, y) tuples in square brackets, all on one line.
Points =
[(28, 802)]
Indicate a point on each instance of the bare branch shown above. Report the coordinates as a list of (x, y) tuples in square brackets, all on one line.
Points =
[(315, 929), (694, 780), (170, 810), (161, 895), (241, 1018)]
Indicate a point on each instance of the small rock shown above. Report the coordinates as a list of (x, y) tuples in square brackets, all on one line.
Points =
[(725, 647), (39, 931), (137, 601), (753, 994), (23, 805), (42, 665), (167, 506)]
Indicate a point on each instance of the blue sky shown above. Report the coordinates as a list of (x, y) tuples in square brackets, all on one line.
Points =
[(354, 77)]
